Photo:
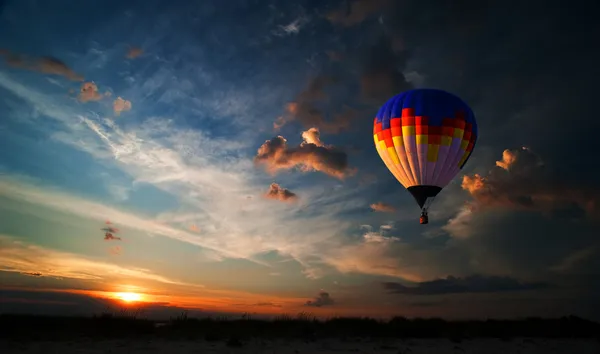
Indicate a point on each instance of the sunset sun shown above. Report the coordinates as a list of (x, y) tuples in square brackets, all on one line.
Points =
[(129, 297)]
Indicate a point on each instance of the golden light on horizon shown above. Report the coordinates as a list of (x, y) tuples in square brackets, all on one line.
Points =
[(129, 297)]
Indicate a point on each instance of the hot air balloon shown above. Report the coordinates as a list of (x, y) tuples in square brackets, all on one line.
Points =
[(425, 137)]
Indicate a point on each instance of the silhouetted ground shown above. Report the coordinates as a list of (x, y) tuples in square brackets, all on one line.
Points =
[(303, 326), (301, 334)]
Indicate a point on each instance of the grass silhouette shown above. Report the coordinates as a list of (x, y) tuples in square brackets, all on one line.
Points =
[(304, 326)]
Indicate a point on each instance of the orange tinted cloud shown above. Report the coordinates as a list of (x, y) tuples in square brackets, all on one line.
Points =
[(275, 155), (53, 66), (121, 105), (20, 257), (521, 181), (383, 207), (134, 52), (312, 136), (89, 92), (279, 123), (278, 193), (46, 65), (508, 158)]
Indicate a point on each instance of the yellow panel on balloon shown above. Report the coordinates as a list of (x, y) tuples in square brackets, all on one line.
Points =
[(432, 153), (421, 139), (446, 140)]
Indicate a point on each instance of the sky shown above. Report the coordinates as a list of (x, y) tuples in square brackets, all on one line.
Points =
[(231, 145)]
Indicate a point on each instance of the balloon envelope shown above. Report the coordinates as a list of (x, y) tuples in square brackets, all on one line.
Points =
[(425, 137)]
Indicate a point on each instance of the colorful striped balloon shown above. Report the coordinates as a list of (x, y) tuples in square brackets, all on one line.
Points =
[(424, 137)]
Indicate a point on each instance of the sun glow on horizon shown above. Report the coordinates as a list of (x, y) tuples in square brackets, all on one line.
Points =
[(128, 297)]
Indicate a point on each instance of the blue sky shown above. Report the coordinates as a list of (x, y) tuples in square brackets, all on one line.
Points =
[(175, 172)]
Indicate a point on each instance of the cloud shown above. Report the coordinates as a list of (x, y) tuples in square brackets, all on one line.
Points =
[(522, 181), (21, 257), (119, 192), (378, 238), (312, 136), (382, 71), (414, 78), (45, 65), (305, 110), (357, 11), (33, 274), (383, 207), (380, 254), (121, 105), (89, 92), (210, 178), (292, 27), (275, 155), (508, 158), (322, 299), (29, 193), (457, 285), (578, 260), (53, 66), (278, 193), (109, 236), (266, 304), (134, 52)]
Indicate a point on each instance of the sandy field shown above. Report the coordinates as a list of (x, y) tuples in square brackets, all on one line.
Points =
[(412, 346)]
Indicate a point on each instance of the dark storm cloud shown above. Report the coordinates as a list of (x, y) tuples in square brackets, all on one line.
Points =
[(522, 94), (382, 71), (305, 108), (470, 284), (322, 299), (522, 180), (524, 218)]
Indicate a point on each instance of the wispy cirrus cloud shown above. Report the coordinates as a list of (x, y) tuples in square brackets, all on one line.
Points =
[(211, 177), (20, 257)]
